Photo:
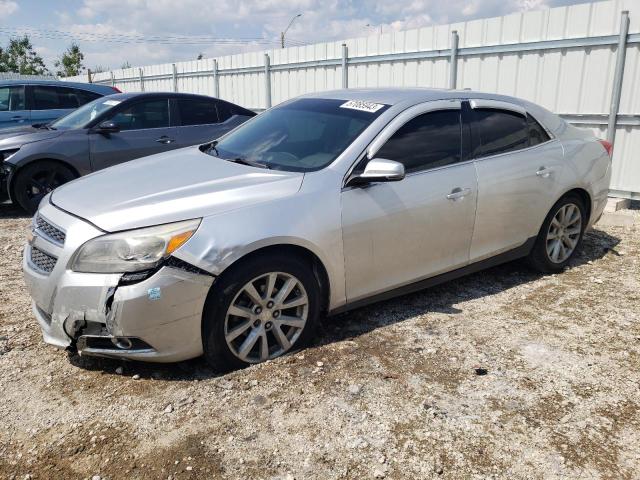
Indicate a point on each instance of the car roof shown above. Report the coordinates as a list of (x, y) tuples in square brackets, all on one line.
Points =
[(129, 95), (93, 87), (407, 96)]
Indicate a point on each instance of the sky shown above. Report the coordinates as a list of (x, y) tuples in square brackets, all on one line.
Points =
[(148, 32)]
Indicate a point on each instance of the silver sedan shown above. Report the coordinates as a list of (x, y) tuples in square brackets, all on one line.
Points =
[(327, 202)]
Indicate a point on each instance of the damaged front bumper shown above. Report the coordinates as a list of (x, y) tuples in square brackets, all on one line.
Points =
[(154, 319)]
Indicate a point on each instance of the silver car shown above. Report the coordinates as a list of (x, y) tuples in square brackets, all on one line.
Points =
[(324, 203)]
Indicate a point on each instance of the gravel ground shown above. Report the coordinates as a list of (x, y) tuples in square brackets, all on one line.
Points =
[(502, 374)]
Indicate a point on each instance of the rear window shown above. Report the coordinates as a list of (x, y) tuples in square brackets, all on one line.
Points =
[(85, 96), (53, 98), (197, 111), (500, 131), (227, 110), (537, 134)]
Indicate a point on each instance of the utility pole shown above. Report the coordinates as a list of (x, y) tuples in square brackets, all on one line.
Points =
[(282, 34)]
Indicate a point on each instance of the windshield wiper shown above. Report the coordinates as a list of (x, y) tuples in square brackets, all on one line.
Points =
[(251, 163), (42, 126)]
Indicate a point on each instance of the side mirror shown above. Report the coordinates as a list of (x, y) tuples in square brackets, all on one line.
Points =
[(107, 127), (378, 170)]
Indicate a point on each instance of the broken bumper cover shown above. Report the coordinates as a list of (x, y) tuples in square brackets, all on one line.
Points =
[(157, 319)]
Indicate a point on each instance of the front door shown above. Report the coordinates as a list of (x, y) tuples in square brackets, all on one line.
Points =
[(144, 130), (397, 233)]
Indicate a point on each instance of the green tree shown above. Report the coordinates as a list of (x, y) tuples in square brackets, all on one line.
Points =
[(70, 62), (20, 57)]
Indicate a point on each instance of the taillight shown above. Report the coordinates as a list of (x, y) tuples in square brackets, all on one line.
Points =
[(116, 89), (607, 146)]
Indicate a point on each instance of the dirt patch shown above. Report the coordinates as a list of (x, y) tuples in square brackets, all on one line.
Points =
[(388, 391)]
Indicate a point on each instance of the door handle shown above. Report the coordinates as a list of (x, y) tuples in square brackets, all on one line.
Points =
[(458, 193), (544, 172), (165, 140), (17, 117)]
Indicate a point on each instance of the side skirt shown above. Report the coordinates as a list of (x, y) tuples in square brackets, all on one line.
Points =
[(516, 253)]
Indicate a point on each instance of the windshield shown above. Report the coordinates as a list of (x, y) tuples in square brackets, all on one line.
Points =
[(81, 117), (302, 136)]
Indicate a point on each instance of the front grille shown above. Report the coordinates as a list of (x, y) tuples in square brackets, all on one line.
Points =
[(49, 231), (42, 261)]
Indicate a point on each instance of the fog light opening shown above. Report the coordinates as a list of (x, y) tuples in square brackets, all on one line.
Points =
[(122, 343)]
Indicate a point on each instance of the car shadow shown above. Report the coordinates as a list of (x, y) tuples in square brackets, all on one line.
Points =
[(8, 210), (350, 325)]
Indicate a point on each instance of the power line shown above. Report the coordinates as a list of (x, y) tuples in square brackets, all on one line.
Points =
[(138, 39)]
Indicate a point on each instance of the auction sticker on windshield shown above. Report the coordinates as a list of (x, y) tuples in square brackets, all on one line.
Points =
[(362, 106)]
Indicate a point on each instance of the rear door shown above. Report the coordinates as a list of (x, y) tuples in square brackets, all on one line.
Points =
[(396, 233), (144, 130), (518, 166), (13, 110)]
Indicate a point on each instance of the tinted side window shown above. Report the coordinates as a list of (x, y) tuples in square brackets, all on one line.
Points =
[(11, 99), (428, 141), (145, 114), (537, 134), (500, 131), (224, 111), (85, 96), (197, 111), (49, 98), (227, 110)]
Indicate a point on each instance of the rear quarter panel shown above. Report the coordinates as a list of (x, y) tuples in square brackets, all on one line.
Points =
[(592, 166)]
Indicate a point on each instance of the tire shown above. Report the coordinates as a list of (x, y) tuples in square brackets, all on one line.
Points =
[(542, 255), (229, 295), (35, 180)]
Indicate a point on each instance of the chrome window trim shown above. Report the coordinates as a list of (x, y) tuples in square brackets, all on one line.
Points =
[(477, 103), (480, 159)]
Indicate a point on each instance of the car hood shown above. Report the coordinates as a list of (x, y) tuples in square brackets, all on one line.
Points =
[(168, 187), (18, 136)]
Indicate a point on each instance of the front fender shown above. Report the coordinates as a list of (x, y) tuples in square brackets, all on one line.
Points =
[(301, 220)]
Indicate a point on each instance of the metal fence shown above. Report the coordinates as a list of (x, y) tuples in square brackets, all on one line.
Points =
[(582, 62)]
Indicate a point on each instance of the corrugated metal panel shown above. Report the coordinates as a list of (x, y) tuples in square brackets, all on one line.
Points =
[(571, 80)]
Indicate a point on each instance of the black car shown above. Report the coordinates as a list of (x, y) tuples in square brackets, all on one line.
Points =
[(105, 132)]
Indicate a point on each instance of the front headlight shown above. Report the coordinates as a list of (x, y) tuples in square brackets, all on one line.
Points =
[(133, 250)]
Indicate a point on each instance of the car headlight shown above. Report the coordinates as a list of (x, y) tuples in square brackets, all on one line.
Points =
[(133, 250)]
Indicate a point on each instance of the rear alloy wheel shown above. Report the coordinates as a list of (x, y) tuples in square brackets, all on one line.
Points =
[(36, 180), (560, 235), (564, 233), (259, 310)]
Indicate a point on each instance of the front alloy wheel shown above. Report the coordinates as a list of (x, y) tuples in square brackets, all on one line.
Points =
[(266, 317), (259, 309)]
